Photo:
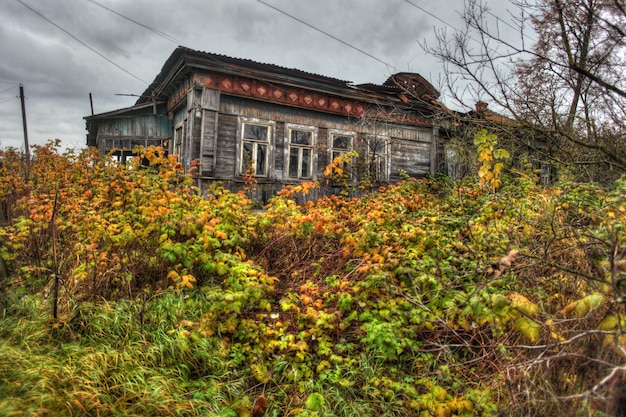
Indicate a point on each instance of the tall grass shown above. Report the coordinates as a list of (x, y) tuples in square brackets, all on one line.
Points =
[(124, 358)]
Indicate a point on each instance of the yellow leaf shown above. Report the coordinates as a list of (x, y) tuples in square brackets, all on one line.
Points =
[(588, 304), (484, 169), (173, 275), (528, 328), (569, 308), (187, 280), (523, 304), (609, 323)]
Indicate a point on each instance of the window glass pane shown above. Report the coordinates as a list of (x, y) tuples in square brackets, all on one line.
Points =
[(306, 163), (301, 137), (246, 159), (255, 132), (261, 153), (341, 142), (135, 143), (336, 154), (293, 162), (377, 146)]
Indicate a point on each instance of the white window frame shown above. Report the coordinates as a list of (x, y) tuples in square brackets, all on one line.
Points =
[(383, 158), (241, 141), (289, 127), (332, 134), (179, 138)]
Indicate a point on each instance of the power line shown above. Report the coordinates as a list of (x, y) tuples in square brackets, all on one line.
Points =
[(431, 14), (10, 88), (150, 28), (438, 18), (328, 34), (80, 41), (457, 29)]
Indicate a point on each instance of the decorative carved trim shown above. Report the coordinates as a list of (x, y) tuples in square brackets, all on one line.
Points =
[(248, 87)]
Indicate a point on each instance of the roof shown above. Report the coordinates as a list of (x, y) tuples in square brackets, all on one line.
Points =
[(412, 83), (121, 112), (183, 56), (202, 59)]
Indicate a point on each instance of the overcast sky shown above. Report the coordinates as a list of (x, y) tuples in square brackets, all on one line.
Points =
[(90, 48)]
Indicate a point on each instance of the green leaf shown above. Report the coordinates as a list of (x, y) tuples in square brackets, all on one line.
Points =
[(501, 154), (499, 301), (315, 401), (528, 328), (221, 269)]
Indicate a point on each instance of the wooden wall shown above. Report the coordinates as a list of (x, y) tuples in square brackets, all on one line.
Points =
[(410, 147), (211, 121)]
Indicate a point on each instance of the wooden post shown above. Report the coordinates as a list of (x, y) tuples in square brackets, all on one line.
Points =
[(26, 148)]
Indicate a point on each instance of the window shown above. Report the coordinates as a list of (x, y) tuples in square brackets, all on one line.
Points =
[(545, 172), (300, 151), (255, 146), (178, 140), (340, 143), (378, 158)]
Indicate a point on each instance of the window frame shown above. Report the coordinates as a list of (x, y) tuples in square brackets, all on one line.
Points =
[(332, 133), (290, 127), (179, 139), (384, 157), (241, 141)]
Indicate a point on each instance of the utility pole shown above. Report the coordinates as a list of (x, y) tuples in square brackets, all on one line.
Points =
[(27, 150)]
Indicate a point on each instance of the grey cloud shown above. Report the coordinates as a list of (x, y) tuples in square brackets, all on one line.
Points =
[(59, 73)]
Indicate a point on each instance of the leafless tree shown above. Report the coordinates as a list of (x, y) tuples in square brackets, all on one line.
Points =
[(561, 78)]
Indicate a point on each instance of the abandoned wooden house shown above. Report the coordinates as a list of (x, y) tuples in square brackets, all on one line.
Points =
[(229, 116)]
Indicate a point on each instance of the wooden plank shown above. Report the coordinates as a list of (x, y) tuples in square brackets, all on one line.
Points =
[(279, 150), (211, 99), (410, 157), (209, 132), (226, 145)]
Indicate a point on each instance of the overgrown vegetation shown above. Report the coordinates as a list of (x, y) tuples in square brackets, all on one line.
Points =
[(426, 298)]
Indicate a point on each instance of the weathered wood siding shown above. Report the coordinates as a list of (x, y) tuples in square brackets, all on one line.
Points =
[(280, 165), (409, 146), (128, 132), (209, 139), (269, 111), (323, 158), (410, 156), (226, 146)]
